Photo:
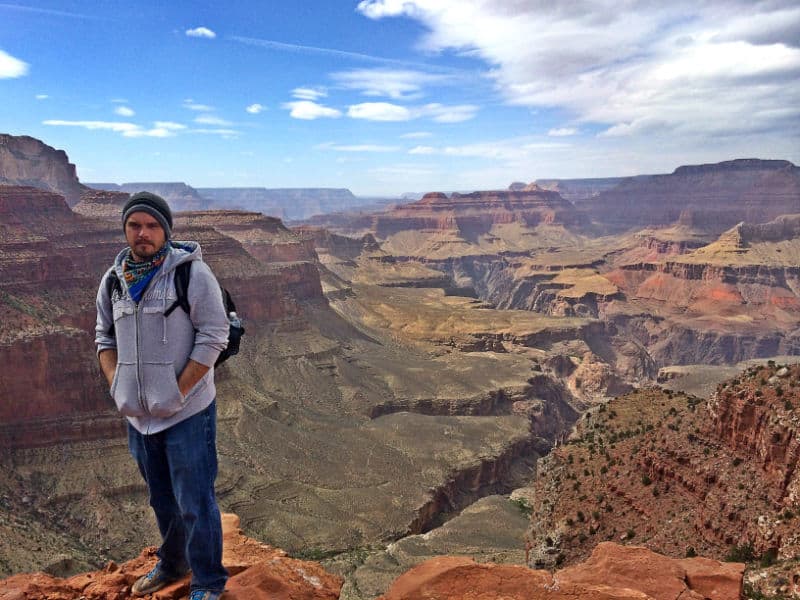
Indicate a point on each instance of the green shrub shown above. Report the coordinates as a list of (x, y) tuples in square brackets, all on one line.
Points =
[(690, 552), (523, 505), (742, 553)]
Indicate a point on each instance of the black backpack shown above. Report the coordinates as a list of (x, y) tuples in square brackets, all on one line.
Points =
[(182, 275)]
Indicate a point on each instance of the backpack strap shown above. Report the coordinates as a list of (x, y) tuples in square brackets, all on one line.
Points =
[(113, 284), (181, 276)]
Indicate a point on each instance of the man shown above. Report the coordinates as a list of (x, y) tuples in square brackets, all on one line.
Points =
[(160, 372)]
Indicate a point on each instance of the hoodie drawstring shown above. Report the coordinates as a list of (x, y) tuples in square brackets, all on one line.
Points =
[(164, 309)]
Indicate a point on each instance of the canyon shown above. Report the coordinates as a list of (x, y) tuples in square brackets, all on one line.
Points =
[(406, 369)]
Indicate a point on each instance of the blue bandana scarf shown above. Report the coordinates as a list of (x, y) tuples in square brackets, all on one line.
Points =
[(138, 274)]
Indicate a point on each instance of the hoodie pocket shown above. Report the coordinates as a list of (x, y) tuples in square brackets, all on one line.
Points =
[(164, 398), (125, 391)]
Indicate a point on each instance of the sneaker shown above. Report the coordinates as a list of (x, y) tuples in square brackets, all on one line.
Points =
[(156, 579), (205, 595)]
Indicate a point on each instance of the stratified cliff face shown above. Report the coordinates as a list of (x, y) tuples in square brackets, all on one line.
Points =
[(103, 204), (580, 189), (710, 197), (757, 416), (472, 215), (179, 195), (678, 473), (26, 161)]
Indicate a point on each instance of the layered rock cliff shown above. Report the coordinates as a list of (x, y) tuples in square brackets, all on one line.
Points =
[(678, 474), (179, 195), (472, 215), (26, 161), (713, 197)]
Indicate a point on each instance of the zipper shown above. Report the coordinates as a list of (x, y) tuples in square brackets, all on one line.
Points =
[(142, 400)]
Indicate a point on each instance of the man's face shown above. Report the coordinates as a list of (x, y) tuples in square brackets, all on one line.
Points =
[(144, 235)]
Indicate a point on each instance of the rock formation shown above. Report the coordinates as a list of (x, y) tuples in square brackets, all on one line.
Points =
[(25, 161), (612, 572), (179, 195), (576, 190), (713, 197), (472, 215), (678, 474), (257, 572), (102, 204)]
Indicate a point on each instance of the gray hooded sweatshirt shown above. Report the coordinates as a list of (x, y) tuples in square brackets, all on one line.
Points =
[(152, 349)]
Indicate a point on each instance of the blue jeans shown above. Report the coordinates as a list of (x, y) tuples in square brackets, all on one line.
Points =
[(179, 465)]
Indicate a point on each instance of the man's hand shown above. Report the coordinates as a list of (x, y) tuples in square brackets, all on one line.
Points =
[(108, 364), (191, 374)]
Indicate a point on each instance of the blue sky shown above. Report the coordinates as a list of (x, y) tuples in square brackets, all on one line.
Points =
[(392, 96)]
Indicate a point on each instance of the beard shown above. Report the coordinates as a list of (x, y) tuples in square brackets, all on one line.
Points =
[(142, 251)]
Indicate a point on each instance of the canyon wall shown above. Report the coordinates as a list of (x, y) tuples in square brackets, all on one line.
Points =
[(713, 197), (26, 161)]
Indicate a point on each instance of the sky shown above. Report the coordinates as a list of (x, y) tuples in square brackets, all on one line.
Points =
[(386, 97)]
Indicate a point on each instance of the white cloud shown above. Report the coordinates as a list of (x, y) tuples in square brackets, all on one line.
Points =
[(686, 68), (212, 120), (169, 125), (225, 133), (201, 32), (42, 96), (126, 129), (387, 111), (562, 132), (192, 105), (256, 108), (124, 111), (307, 110), (392, 83), (11, 67), (416, 135), (422, 150), (379, 111), (305, 93), (358, 147), (449, 114)]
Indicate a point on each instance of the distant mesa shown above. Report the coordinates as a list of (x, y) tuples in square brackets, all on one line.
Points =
[(179, 195), (474, 214), (26, 161), (579, 189), (712, 197)]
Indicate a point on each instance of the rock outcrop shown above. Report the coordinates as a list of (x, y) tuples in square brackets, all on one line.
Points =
[(713, 197), (575, 190), (103, 204), (678, 474), (179, 195), (257, 572), (26, 161), (612, 572), (472, 215)]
